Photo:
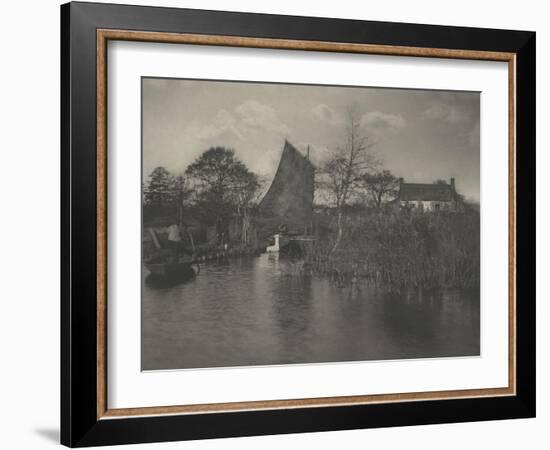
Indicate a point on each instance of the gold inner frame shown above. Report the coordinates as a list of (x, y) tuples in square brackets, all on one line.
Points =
[(104, 35)]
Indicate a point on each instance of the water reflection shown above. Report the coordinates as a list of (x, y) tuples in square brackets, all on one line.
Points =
[(257, 311)]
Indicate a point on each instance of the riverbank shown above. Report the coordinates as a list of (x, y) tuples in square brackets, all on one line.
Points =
[(392, 248)]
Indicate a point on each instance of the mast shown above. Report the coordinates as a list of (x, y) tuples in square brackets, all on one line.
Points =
[(180, 214)]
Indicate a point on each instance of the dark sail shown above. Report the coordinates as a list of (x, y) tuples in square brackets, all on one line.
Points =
[(289, 199)]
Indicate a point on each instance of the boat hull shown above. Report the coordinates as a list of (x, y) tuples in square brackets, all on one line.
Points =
[(170, 273)]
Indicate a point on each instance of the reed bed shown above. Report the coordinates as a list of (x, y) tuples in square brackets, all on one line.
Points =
[(400, 248)]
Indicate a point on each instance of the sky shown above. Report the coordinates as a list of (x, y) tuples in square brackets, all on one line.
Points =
[(419, 135)]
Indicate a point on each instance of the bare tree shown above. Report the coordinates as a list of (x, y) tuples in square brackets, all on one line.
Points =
[(380, 186), (342, 172)]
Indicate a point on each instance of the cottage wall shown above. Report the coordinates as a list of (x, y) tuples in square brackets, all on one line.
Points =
[(429, 197), (428, 205)]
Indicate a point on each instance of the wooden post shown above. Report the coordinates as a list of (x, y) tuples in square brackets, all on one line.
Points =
[(155, 238)]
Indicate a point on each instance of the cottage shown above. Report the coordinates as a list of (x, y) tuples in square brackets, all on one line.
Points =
[(429, 196)]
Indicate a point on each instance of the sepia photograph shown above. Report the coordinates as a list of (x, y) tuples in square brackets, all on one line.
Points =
[(300, 224)]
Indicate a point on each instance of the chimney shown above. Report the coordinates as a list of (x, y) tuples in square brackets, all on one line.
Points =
[(453, 184), (308, 152), (401, 181)]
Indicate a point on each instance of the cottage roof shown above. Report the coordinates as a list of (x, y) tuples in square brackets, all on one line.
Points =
[(426, 192)]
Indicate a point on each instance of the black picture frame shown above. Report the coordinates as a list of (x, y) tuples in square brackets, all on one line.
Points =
[(80, 425)]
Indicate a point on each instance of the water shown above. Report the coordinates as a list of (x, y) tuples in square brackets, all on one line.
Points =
[(257, 311)]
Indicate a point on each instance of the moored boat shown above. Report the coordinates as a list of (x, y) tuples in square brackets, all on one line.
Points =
[(171, 272), (171, 263)]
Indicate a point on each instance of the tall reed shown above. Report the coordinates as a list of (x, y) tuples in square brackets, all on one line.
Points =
[(400, 248)]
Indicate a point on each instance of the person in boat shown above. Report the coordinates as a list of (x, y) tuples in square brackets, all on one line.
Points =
[(175, 241)]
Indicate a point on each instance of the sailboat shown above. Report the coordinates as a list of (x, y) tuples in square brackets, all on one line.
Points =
[(167, 266), (287, 206)]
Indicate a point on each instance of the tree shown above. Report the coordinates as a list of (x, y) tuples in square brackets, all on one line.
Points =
[(342, 172), (223, 184), (180, 195), (380, 186), (160, 190)]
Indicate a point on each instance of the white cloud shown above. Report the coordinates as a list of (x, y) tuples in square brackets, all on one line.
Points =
[(327, 114), (249, 117), (318, 152), (447, 113), (256, 115), (252, 128), (380, 122), (375, 122)]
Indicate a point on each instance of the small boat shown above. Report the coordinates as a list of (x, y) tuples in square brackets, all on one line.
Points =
[(291, 244), (275, 247), (170, 274), (168, 266), (173, 270)]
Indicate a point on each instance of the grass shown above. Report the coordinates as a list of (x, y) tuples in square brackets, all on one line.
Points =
[(401, 248)]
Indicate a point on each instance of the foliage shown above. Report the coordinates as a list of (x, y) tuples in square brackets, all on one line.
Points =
[(222, 184), (380, 187), (164, 197), (160, 191)]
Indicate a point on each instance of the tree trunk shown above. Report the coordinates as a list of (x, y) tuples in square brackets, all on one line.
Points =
[(245, 227), (339, 235), (190, 239)]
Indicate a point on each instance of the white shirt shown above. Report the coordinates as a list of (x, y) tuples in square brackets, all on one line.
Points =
[(174, 233)]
